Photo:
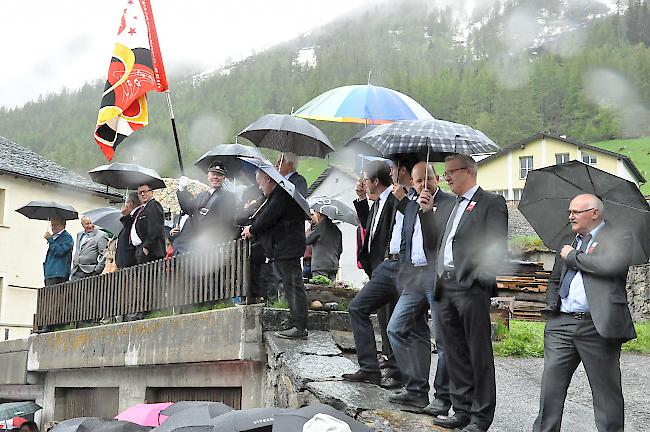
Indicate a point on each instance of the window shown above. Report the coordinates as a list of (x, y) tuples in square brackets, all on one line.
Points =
[(516, 194), (589, 158), (502, 192), (525, 165), (561, 158)]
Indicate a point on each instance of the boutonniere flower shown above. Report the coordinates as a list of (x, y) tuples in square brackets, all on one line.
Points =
[(470, 206), (592, 247), (434, 209)]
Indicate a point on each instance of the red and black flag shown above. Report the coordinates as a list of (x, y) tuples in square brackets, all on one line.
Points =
[(135, 69)]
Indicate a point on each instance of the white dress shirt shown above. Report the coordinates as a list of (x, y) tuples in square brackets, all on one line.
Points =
[(380, 206), (462, 207), (418, 257), (135, 238), (396, 236)]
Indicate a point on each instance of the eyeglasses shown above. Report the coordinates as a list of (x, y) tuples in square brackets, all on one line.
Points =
[(577, 212), (450, 172), (144, 192)]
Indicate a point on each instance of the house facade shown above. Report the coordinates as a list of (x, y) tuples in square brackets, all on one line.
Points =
[(26, 176), (505, 172)]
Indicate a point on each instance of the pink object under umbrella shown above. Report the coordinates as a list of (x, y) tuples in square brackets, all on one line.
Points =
[(145, 414)]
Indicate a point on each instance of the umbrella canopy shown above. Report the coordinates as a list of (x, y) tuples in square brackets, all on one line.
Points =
[(14, 409), (435, 138), (185, 415), (126, 176), (548, 192), (144, 414), (46, 210), (106, 218), (285, 184), (335, 210), (294, 420), (364, 104), (110, 425), (355, 144), (73, 424), (287, 133), (228, 153), (9, 424), (246, 420)]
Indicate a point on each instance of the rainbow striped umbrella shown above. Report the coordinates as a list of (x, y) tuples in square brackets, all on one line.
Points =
[(365, 104)]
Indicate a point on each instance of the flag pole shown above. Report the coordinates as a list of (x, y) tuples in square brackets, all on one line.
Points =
[(171, 117)]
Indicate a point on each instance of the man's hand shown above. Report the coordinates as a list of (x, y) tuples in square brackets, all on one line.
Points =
[(183, 182), (125, 210), (399, 191), (174, 231), (246, 233), (566, 249), (249, 203), (361, 188), (47, 235), (425, 200), (145, 251)]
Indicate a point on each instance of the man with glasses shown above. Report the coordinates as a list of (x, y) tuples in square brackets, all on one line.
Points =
[(148, 230), (470, 252), (56, 268), (588, 317)]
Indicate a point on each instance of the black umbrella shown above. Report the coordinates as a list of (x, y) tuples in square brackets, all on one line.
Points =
[(286, 133), (253, 419), (72, 425), (107, 218), (430, 139), (285, 184), (46, 210), (335, 210), (548, 192), (294, 420), (126, 176), (228, 154), (110, 425), (183, 414), (14, 409)]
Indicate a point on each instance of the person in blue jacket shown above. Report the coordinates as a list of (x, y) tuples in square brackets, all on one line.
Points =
[(56, 267)]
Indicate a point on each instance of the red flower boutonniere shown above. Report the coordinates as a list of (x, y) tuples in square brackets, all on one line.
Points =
[(470, 206), (592, 247)]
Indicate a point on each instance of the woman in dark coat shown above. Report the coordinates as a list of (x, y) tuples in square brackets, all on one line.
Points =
[(327, 246)]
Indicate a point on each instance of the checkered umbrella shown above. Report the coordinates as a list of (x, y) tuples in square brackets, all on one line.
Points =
[(431, 139)]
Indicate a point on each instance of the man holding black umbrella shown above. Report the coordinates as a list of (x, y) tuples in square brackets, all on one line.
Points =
[(589, 317), (287, 164), (148, 230), (125, 252), (279, 226), (56, 267)]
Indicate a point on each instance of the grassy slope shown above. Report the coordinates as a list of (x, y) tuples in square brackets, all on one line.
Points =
[(636, 149)]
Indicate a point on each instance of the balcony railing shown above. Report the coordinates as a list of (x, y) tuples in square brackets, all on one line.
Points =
[(194, 278)]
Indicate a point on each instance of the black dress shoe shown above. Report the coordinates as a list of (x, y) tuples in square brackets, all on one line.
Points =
[(453, 422), (363, 376), (292, 333), (473, 427), (408, 398), (438, 407), (391, 383)]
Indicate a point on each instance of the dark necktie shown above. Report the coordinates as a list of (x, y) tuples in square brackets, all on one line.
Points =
[(571, 272), (450, 224), (373, 212)]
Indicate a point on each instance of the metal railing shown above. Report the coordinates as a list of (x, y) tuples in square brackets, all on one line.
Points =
[(216, 274)]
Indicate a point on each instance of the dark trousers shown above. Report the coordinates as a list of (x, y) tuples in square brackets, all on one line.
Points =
[(141, 258), (294, 291), (55, 280), (464, 317), (567, 342), (378, 293), (262, 281), (79, 274), (410, 335)]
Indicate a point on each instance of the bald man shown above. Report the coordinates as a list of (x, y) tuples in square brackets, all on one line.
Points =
[(589, 317), (88, 259)]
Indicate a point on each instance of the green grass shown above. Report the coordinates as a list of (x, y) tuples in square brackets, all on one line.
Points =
[(525, 243), (280, 304), (642, 342), (311, 168), (636, 149)]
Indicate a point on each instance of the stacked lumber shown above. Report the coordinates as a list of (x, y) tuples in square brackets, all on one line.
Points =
[(525, 281)]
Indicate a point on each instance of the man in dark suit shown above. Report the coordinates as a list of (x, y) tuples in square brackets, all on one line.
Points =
[(148, 230), (378, 257), (470, 252), (125, 252), (588, 317), (212, 212), (280, 226), (408, 329), (287, 164)]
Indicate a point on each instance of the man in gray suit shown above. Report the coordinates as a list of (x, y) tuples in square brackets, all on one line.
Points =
[(589, 317), (88, 259)]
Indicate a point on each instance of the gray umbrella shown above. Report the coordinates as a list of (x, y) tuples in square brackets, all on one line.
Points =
[(46, 210), (335, 210), (286, 133), (183, 405), (228, 154), (253, 419), (107, 218), (294, 420), (126, 176), (285, 184), (14, 409), (183, 414), (355, 144), (433, 138), (110, 425)]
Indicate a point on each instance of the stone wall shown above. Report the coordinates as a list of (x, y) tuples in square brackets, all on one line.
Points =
[(638, 292)]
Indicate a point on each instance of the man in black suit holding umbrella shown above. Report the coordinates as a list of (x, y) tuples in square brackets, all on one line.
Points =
[(287, 164), (148, 230)]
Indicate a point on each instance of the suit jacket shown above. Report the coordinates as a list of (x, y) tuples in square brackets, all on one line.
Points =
[(89, 257), (150, 226), (299, 182), (125, 251), (215, 226), (604, 272), (59, 256), (280, 226), (480, 243), (379, 244)]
